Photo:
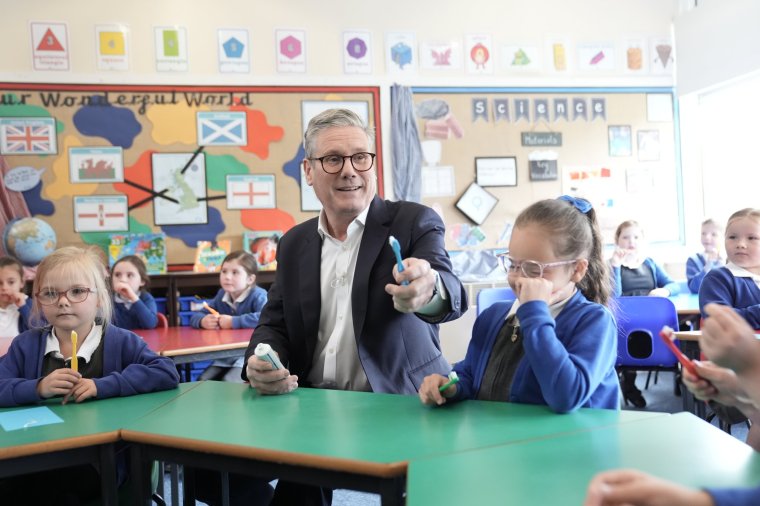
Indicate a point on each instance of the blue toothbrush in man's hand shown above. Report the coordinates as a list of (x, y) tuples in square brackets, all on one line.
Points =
[(396, 247)]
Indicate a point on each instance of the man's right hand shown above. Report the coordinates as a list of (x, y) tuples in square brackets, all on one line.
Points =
[(269, 381)]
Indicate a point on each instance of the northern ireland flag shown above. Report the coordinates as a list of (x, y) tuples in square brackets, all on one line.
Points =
[(222, 129), (101, 213), (27, 136)]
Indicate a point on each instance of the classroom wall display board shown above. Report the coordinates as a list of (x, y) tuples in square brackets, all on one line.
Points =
[(608, 145), (196, 163)]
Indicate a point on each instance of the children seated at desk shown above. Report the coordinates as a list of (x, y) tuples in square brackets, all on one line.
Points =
[(636, 274), (15, 305), (134, 306), (556, 344), (71, 292), (700, 264), (736, 284), (732, 346), (237, 305)]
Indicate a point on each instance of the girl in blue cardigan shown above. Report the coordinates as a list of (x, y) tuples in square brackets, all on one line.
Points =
[(556, 344), (134, 306), (699, 264), (15, 305), (237, 305), (72, 294), (736, 284)]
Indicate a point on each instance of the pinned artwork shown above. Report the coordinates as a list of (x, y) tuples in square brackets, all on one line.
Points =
[(648, 145), (479, 54), (619, 138), (400, 53), (445, 55), (476, 203), (525, 58), (662, 56)]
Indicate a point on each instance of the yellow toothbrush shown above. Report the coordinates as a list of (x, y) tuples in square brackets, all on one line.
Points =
[(74, 362)]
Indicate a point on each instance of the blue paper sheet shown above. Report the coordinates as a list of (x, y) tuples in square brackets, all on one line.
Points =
[(30, 417)]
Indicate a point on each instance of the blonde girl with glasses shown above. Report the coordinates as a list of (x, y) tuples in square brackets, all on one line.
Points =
[(556, 344), (71, 293)]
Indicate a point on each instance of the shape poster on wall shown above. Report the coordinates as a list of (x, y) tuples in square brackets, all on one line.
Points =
[(181, 180), (50, 46)]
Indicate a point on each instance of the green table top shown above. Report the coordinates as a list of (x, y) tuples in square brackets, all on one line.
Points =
[(89, 423), (363, 432), (557, 470)]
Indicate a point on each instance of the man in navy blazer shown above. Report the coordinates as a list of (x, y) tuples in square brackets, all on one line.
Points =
[(338, 314)]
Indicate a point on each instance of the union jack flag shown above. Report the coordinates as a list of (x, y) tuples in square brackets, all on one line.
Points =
[(20, 136)]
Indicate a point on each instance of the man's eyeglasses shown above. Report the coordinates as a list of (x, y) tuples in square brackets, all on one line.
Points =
[(529, 268), (75, 295), (332, 164)]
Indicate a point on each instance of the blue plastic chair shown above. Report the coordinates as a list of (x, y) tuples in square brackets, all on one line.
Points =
[(488, 296), (642, 318)]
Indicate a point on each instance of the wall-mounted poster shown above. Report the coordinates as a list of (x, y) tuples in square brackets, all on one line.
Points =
[(101, 213), (543, 170), (262, 244), (496, 171), (250, 191), (476, 203), (27, 136), (183, 176), (96, 165), (619, 137), (648, 145)]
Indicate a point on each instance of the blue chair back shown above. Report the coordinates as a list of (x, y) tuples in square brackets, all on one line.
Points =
[(488, 296), (645, 316)]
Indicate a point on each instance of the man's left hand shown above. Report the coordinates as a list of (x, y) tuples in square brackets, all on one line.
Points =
[(419, 291)]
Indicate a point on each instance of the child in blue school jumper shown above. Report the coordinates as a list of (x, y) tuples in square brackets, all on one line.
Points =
[(699, 264), (556, 344), (134, 307), (71, 292), (737, 283), (635, 274), (238, 303), (15, 305)]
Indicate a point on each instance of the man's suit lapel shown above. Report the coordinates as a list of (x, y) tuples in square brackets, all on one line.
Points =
[(308, 284), (374, 238)]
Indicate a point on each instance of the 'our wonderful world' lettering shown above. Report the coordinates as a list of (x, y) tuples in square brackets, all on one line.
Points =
[(56, 99)]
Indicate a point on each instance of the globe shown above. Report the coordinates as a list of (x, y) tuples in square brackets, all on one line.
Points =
[(29, 239)]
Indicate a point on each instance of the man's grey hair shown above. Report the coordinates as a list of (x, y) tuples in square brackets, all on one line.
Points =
[(334, 118)]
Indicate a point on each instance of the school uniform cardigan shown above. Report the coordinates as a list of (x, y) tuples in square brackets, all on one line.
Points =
[(695, 271), (140, 315), (741, 293), (245, 317), (129, 367), (569, 361), (24, 313), (661, 278), (735, 496)]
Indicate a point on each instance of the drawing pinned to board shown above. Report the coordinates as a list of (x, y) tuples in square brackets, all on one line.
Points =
[(401, 53), (23, 178), (648, 145), (619, 137), (28, 136), (525, 58), (466, 235), (479, 51), (441, 55), (50, 46), (96, 165), (558, 54), (543, 165), (262, 244), (101, 213), (476, 203), (234, 51), (357, 52), (290, 46), (183, 176), (596, 56), (112, 47), (250, 191), (496, 171), (437, 181), (440, 124), (171, 49), (636, 56), (662, 56)]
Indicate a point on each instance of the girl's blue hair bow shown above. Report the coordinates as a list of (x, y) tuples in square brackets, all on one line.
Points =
[(580, 204)]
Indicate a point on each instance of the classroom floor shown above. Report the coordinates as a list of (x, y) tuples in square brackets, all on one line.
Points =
[(659, 397)]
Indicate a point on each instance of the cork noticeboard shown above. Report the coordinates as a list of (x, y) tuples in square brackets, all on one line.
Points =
[(194, 162)]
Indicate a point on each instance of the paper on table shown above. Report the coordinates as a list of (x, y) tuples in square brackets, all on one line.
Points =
[(29, 417)]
